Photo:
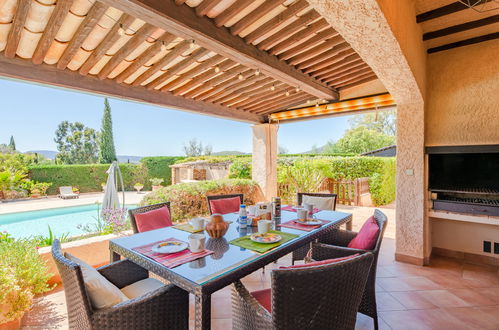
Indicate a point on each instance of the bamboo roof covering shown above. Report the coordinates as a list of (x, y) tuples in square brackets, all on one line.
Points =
[(241, 59)]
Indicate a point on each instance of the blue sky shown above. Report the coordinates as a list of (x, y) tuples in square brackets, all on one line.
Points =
[(31, 114)]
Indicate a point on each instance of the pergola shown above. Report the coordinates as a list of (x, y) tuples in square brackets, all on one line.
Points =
[(257, 61)]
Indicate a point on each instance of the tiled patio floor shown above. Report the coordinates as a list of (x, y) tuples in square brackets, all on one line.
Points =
[(446, 295)]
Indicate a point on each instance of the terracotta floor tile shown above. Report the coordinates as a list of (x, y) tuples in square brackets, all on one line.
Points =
[(382, 271), (413, 300), (491, 293), (439, 319), (476, 318), (406, 284), (473, 297), (386, 302), (366, 323), (404, 320), (449, 281), (443, 298)]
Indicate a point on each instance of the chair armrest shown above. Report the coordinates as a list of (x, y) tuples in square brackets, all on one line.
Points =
[(123, 273), (246, 309), (324, 251), (338, 237), (168, 305)]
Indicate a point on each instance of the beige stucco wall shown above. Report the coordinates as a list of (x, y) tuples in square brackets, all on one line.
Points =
[(463, 96), (264, 159)]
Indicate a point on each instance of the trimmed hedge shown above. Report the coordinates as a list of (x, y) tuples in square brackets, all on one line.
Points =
[(188, 200), (89, 177)]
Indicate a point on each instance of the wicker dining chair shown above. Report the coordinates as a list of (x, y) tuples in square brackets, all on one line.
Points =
[(144, 209), (163, 308), (301, 252), (319, 297), (215, 197), (334, 245)]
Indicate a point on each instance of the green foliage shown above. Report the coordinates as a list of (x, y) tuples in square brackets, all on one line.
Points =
[(240, 168), (382, 121), (156, 181), (107, 151), (188, 200), (76, 143), (158, 167), (194, 148), (359, 140), (12, 143), (382, 184), (22, 275), (41, 240)]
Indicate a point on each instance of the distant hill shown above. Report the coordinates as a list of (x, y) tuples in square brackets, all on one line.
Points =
[(318, 150), (49, 154), (229, 153)]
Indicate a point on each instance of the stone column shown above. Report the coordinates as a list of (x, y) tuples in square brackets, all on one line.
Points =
[(265, 158)]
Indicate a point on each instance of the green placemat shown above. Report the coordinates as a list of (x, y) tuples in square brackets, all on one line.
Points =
[(247, 243)]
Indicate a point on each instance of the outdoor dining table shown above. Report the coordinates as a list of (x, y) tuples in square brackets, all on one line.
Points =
[(202, 277)]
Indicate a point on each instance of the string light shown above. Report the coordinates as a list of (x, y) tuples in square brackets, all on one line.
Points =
[(217, 69), (192, 44), (163, 46), (240, 76), (272, 88), (121, 30), (297, 89), (257, 72), (287, 93)]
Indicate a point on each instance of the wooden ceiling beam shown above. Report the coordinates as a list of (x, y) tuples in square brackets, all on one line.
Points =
[(232, 11), (16, 29), (212, 83), (349, 74), (204, 77), (230, 84), (257, 96), (326, 64), (353, 77), (180, 2), (283, 34), (348, 56), (461, 27), (138, 38), (465, 42), (358, 82), (219, 95), (262, 10), (250, 92), (17, 68), (277, 101), (145, 57), (301, 37), (284, 104), (112, 36), (196, 55), (342, 69), (319, 49), (183, 22), (55, 21), (441, 11), (324, 56), (311, 44), (277, 21), (93, 16), (278, 92), (204, 7), (179, 49), (192, 72), (248, 84)]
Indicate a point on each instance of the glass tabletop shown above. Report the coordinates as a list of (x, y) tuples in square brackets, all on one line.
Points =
[(226, 257)]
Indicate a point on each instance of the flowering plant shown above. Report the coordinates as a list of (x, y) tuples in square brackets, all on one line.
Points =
[(116, 219)]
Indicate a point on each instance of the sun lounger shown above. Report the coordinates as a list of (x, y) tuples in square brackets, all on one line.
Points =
[(67, 192)]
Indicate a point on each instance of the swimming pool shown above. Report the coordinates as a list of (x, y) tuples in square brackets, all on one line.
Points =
[(61, 221)]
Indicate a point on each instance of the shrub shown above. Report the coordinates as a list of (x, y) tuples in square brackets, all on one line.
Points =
[(189, 199), (382, 185), (22, 275), (156, 181), (240, 169), (159, 167)]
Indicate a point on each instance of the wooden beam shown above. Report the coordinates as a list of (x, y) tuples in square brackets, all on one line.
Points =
[(17, 68), (326, 64), (269, 95), (311, 44), (192, 72), (16, 29), (277, 101), (324, 56), (197, 54), (173, 54), (248, 92), (300, 37), (138, 38), (441, 11), (257, 95), (342, 69), (283, 34), (205, 6), (207, 84), (255, 15), (145, 57), (349, 74), (183, 22), (232, 11), (353, 78), (227, 84), (93, 16), (180, 2), (277, 21), (358, 82), (112, 36), (466, 42), (232, 92), (319, 49), (348, 56), (55, 21), (461, 27)]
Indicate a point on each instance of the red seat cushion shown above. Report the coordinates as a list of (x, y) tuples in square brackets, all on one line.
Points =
[(225, 205), (367, 236), (264, 297), (155, 219), (320, 262)]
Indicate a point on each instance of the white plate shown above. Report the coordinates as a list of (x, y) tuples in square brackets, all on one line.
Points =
[(309, 222), (169, 247), (265, 238)]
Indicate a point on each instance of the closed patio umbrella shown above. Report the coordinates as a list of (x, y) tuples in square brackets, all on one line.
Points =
[(111, 199)]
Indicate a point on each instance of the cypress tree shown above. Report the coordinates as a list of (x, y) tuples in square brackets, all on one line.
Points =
[(107, 150), (12, 144)]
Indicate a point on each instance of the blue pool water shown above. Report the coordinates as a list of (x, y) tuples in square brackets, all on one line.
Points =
[(61, 220)]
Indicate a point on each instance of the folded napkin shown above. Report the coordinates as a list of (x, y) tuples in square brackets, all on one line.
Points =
[(247, 243), (171, 260), (187, 227), (292, 209), (294, 224)]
